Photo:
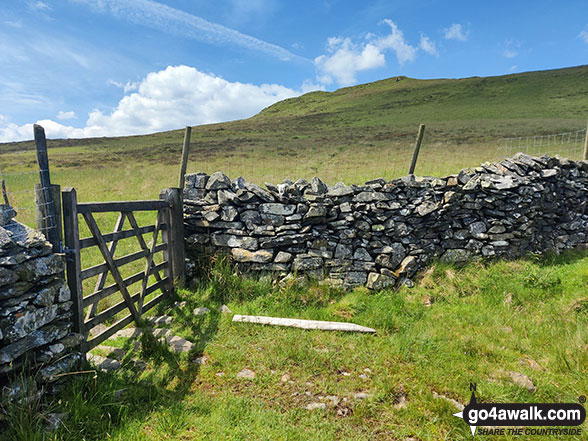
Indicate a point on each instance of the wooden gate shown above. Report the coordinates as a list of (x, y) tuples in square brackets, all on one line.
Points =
[(167, 238)]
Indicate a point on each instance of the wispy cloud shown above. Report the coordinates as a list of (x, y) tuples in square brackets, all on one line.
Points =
[(456, 32), (428, 45), (584, 35), (17, 24), (127, 87), (66, 115), (511, 49), (39, 6), (170, 20)]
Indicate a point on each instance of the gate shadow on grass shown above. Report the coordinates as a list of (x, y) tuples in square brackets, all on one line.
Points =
[(123, 401)]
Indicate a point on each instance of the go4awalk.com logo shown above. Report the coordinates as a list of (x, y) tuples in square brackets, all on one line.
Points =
[(522, 418)]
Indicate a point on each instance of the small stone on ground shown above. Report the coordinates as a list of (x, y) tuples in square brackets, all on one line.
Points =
[(247, 374), (333, 399), (201, 311), (225, 310), (457, 404), (314, 406), (54, 420), (522, 381), (202, 360), (102, 363)]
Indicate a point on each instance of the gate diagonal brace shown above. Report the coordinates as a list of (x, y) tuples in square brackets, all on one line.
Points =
[(111, 265)]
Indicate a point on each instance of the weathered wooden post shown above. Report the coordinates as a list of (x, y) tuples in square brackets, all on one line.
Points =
[(417, 147), (185, 154), (585, 157), (4, 193), (73, 263), (45, 221), (50, 217)]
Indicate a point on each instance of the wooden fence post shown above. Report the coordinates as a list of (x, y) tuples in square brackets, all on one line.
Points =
[(48, 201), (585, 157), (185, 154), (417, 147), (44, 220), (73, 266)]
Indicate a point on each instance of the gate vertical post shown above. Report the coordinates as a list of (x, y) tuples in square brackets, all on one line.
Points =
[(73, 266), (166, 237), (177, 233)]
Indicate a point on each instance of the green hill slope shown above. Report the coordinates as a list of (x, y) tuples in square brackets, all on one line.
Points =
[(356, 132)]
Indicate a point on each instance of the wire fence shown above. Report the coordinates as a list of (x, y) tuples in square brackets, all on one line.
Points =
[(357, 163), (568, 144)]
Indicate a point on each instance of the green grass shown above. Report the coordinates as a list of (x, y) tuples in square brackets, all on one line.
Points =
[(458, 325)]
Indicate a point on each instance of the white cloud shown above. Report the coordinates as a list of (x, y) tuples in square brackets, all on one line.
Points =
[(428, 45), (345, 58), (584, 35), (171, 98), (510, 53), (395, 41), (66, 115), (456, 32), (170, 20)]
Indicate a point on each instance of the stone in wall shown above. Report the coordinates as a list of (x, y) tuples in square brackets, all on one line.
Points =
[(35, 309), (382, 233)]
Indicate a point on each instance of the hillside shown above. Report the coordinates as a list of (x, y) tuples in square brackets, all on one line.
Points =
[(352, 134)]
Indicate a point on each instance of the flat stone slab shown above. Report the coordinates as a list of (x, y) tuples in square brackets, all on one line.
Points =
[(116, 353), (175, 343), (160, 320), (128, 333), (102, 363), (179, 344)]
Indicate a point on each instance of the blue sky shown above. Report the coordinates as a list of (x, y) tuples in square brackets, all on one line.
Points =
[(119, 67)]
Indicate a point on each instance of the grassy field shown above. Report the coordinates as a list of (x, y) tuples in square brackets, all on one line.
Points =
[(483, 323), (459, 325)]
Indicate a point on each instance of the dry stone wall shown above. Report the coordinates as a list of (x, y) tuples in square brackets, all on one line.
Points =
[(381, 233), (35, 312)]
